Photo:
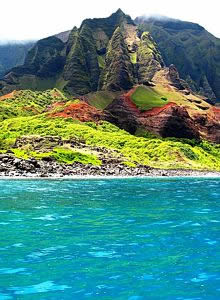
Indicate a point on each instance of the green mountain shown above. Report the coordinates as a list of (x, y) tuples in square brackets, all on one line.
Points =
[(13, 54), (106, 93), (103, 54), (194, 51)]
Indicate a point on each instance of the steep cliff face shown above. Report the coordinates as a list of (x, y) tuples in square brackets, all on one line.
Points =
[(149, 60), (106, 53), (118, 71), (77, 74), (170, 120), (193, 50), (45, 59)]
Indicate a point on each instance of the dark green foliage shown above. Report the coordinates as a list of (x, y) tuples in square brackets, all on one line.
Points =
[(45, 57), (149, 60), (118, 71), (74, 66), (193, 50), (82, 69), (108, 25)]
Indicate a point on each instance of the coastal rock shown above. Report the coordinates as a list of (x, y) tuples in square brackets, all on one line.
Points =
[(209, 124), (27, 168)]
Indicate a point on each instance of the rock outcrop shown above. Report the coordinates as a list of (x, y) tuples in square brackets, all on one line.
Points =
[(193, 50), (79, 111), (170, 120), (149, 60)]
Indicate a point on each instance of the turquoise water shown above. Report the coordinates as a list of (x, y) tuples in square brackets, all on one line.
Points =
[(110, 239)]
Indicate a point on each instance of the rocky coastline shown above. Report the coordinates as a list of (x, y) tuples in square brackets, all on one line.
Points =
[(12, 167)]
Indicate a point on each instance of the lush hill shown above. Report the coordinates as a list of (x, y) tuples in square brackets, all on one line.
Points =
[(56, 129), (13, 54), (194, 51)]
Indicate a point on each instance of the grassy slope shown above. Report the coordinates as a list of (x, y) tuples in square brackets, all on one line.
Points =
[(101, 99), (28, 103), (160, 153), (162, 93), (146, 98)]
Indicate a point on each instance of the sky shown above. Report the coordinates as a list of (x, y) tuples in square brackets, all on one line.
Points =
[(35, 19)]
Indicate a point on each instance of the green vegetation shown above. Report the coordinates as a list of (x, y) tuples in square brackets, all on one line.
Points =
[(146, 98), (61, 154), (101, 61), (69, 156), (101, 99), (28, 103), (152, 151), (133, 57), (193, 50)]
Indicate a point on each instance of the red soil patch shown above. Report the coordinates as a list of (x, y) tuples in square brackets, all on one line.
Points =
[(80, 111), (7, 96), (216, 112), (129, 102)]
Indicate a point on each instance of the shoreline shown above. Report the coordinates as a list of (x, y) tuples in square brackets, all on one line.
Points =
[(16, 168)]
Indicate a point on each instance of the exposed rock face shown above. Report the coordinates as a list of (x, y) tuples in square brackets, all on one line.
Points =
[(124, 113), (173, 76), (209, 124), (172, 121), (80, 111)]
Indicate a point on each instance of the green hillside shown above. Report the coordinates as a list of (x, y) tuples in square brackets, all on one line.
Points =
[(149, 150), (146, 98)]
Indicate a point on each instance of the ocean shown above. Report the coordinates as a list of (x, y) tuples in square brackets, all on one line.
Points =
[(136, 238)]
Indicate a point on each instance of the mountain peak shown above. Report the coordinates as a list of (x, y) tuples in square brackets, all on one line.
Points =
[(119, 12)]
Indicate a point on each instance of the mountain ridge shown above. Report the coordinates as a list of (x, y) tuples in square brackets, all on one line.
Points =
[(192, 49)]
